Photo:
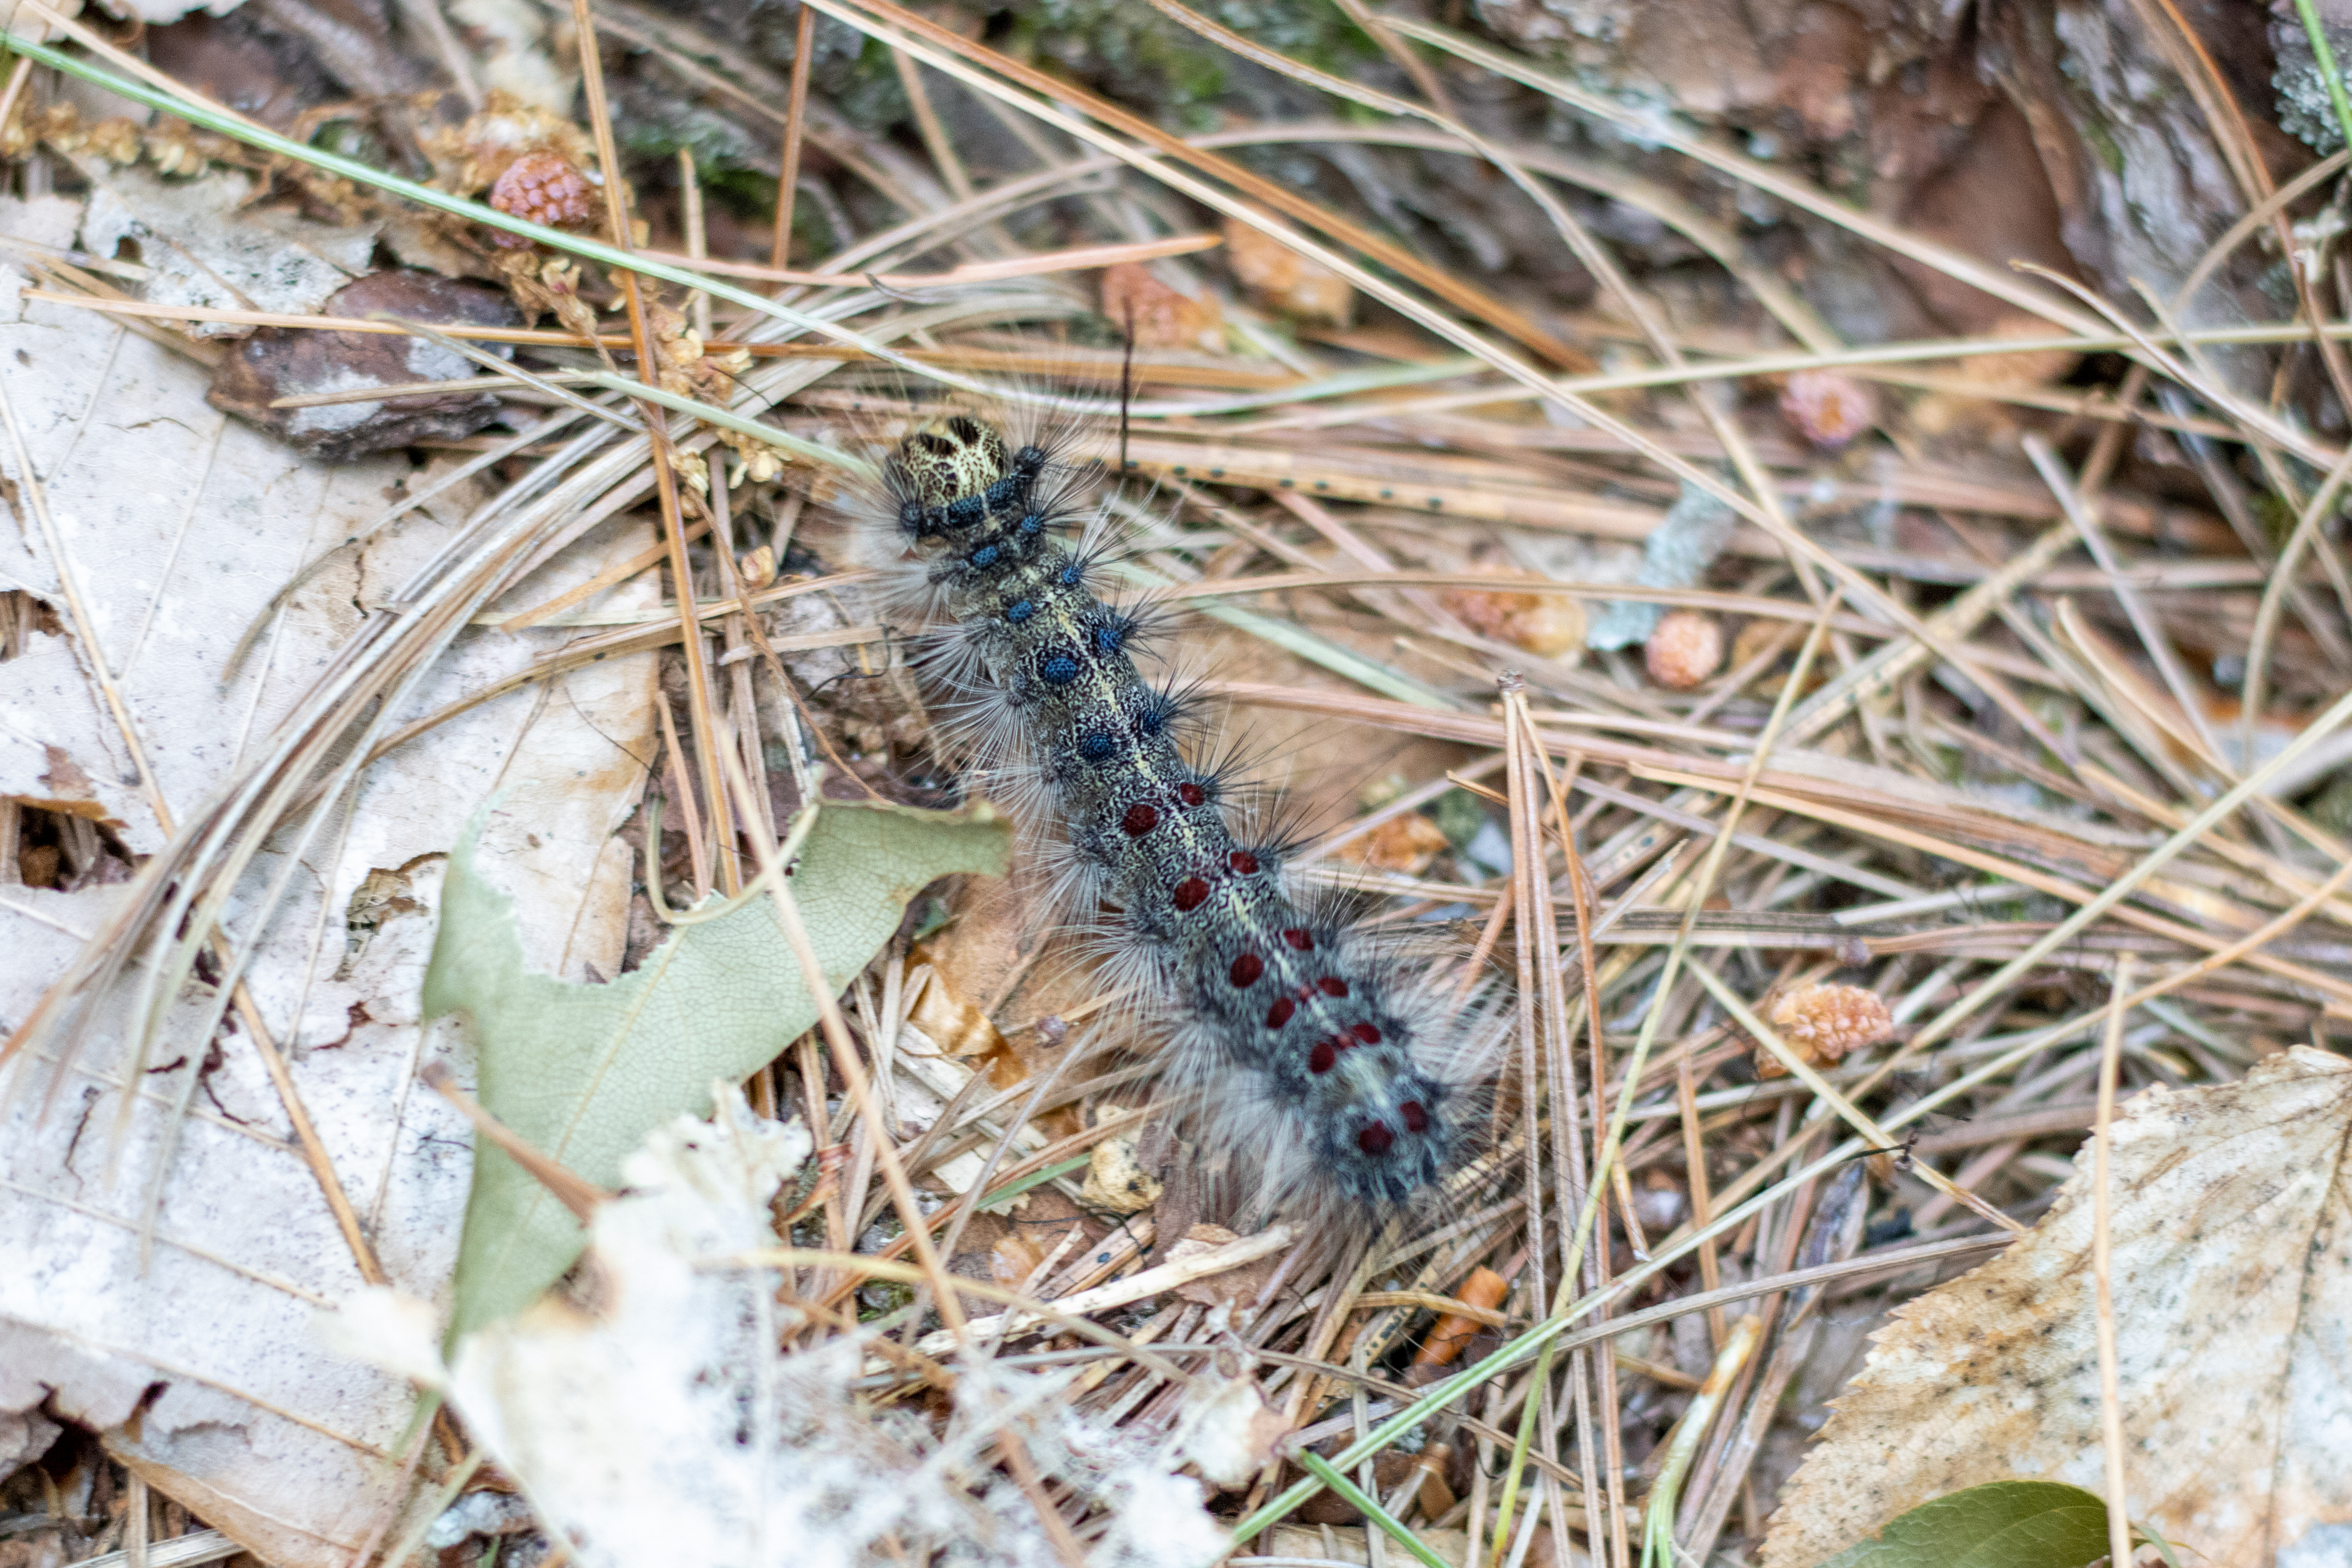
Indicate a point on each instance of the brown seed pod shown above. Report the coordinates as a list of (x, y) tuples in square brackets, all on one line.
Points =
[(1824, 1023), (1686, 649), (542, 188)]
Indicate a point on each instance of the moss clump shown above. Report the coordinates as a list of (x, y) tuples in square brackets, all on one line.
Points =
[(1459, 815), (2278, 519), (849, 71), (656, 123), (2305, 109)]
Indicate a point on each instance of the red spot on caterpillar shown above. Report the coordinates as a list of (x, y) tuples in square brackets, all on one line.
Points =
[(1139, 819), (1323, 1057), (1416, 1116), (1191, 893), (1330, 985), (1242, 861), (1297, 937), (1279, 1014), (1190, 794), (1246, 969), (1376, 1139), (1366, 1034)]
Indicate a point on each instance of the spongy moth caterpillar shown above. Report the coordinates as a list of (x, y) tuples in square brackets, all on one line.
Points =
[(1305, 1055)]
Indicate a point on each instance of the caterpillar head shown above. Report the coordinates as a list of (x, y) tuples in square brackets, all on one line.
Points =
[(949, 458), (957, 471)]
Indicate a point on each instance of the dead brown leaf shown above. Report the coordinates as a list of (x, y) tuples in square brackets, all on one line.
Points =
[(1545, 624), (1158, 316), (1283, 280), (276, 362), (1405, 844), (1236, 1286)]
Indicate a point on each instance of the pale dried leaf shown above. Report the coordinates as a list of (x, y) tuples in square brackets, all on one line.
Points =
[(196, 1366), (389, 1328), (2232, 1226), (205, 246)]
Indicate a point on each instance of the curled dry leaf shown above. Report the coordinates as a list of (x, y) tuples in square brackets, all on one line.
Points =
[(1116, 1180), (2232, 1249), (1284, 281), (1157, 316), (276, 362), (1545, 624), (949, 1019), (1227, 1430), (1406, 844)]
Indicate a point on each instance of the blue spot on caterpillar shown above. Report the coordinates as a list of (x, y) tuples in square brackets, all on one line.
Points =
[(1301, 1054)]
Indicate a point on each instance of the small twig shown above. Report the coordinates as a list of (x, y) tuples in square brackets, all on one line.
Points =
[(697, 246), (927, 126), (780, 248), (700, 709)]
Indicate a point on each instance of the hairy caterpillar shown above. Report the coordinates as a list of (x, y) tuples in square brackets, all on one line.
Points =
[(1305, 1057)]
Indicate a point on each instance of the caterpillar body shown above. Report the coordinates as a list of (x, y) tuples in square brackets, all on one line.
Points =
[(1306, 1060)]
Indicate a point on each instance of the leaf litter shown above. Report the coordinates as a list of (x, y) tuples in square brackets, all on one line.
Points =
[(1985, 729), (656, 1415)]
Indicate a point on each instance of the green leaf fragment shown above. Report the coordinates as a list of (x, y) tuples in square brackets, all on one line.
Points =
[(2004, 1524), (583, 1072)]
